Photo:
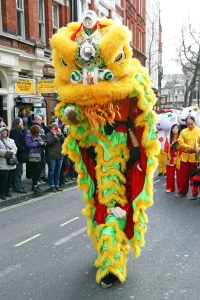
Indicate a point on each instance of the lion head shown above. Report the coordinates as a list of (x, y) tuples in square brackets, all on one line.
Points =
[(93, 66)]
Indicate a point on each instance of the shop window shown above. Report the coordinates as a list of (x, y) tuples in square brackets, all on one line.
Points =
[(20, 18), (41, 22), (55, 17)]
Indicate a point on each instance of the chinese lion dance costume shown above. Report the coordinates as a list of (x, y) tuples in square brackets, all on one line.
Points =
[(101, 89)]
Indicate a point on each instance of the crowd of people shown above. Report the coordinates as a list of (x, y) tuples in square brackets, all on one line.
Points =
[(183, 159), (40, 148)]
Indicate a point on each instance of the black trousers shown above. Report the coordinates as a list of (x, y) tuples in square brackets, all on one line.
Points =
[(34, 171), (6, 181)]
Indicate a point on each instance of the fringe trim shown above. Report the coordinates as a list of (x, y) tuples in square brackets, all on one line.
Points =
[(121, 246), (152, 149)]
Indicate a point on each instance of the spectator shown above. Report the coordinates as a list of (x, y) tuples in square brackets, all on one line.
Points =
[(59, 122), (28, 115), (18, 133), (2, 123), (43, 123), (65, 163), (34, 143), (7, 150), (26, 119), (54, 141), (38, 121)]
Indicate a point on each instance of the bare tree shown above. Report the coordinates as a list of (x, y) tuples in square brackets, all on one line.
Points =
[(189, 58), (152, 39)]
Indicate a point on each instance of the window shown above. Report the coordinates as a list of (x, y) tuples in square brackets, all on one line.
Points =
[(41, 21), (118, 2), (101, 15), (84, 6), (55, 18), (20, 17)]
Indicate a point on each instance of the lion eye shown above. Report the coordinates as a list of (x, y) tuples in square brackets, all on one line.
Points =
[(63, 62), (120, 57)]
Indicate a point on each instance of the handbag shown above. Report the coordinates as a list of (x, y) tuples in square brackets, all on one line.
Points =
[(11, 161), (34, 157)]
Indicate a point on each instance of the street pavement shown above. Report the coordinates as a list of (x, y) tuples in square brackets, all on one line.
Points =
[(45, 253), (27, 184)]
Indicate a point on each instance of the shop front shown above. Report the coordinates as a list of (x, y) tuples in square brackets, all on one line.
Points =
[(32, 105), (27, 101), (46, 88)]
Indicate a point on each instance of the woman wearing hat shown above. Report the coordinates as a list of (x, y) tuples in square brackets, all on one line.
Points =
[(7, 150)]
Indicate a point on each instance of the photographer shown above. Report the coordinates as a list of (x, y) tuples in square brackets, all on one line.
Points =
[(54, 140)]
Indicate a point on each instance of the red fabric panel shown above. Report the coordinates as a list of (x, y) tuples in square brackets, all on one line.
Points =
[(135, 177), (121, 128), (170, 180)]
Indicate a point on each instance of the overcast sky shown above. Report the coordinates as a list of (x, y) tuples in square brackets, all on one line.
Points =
[(173, 12)]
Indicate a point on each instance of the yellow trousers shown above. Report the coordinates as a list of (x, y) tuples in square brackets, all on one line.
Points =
[(162, 158)]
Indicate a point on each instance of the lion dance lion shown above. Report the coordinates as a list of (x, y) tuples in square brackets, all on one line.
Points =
[(103, 93)]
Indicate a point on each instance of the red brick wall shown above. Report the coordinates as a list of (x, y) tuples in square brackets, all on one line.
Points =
[(31, 20), (9, 21), (9, 16), (48, 20), (64, 15), (136, 23), (92, 5)]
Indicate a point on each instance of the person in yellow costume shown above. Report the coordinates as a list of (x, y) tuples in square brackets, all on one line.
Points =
[(161, 137), (189, 142)]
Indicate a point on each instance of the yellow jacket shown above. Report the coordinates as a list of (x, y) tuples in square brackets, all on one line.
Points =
[(187, 139)]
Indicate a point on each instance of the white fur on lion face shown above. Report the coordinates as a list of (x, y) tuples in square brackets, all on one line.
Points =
[(89, 19)]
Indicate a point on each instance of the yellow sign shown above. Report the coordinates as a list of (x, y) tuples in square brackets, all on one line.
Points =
[(46, 86), (24, 86)]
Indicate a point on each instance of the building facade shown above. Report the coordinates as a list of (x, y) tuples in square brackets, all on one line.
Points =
[(25, 56), (26, 72), (173, 90)]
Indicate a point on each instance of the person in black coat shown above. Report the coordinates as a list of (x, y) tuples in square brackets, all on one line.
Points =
[(38, 120), (54, 140), (18, 133)]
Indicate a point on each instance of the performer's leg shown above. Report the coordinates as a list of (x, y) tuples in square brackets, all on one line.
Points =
[(159, 164), (162, 162), (195, 188), (178, 179), (112, 250), (170, 180), (184, 177), (164, 159)]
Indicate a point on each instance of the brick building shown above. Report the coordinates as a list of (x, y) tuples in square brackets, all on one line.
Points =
[(25, 56), (25, 29)]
